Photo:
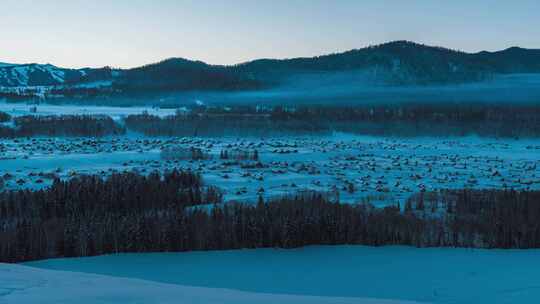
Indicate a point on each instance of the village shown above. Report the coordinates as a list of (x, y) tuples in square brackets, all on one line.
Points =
[(352, 169)]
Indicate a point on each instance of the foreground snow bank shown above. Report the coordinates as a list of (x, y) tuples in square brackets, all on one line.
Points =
[(21, 284), (432, 275)]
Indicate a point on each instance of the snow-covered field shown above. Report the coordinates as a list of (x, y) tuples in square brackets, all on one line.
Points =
[(26, 285), (21, 109), (432, 275), (381, 170)]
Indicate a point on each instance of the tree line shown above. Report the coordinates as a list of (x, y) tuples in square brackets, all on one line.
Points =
[(483, 218), (407, 119), (128, 212), (89, 215), (213, 124), (400, 119), (62, 125), (4, 117)]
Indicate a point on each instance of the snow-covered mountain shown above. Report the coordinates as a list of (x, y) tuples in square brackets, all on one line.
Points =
[(33, 75)]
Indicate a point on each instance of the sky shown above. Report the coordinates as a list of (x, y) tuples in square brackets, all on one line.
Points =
[(129, 33)]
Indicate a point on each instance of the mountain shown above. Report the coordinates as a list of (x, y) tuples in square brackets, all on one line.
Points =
[(398, 63), (511, 60), (401, 62), (404, 62), (25, 75), (181, 75), (394, 63)]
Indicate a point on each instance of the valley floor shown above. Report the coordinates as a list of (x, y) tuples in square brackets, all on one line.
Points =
[(380, 170)]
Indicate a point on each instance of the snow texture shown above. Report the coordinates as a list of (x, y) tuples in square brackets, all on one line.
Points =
[(425, 275), (21, 284)]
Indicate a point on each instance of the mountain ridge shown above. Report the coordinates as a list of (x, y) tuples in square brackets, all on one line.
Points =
[(394, 63), (375, 46)]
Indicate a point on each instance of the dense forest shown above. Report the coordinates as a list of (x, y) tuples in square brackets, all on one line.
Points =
[(5, 131), (482, 218), (62, 125), (177, 74), (128, 212), (230, 124), (4, 117), (400, 119), (498, 120), (88, 215)]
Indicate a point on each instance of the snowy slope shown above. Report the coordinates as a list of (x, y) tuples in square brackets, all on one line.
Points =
[(33, 75), (40, 75), (426, 275), (21, 284)]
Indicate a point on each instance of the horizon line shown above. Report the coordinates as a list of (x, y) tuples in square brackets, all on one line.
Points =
[(271, 58)]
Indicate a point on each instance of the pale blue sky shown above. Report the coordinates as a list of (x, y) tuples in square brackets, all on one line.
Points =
[(127, 33)]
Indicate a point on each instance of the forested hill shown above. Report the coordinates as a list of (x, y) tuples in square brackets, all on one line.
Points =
[(398, 63), (184, 75), (411, 63), (394, 63)]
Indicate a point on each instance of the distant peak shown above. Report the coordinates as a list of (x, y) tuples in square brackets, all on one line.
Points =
[(406, 44), (484, 52), (401, 43), (178, 62), (5, 64), (514, 49)]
